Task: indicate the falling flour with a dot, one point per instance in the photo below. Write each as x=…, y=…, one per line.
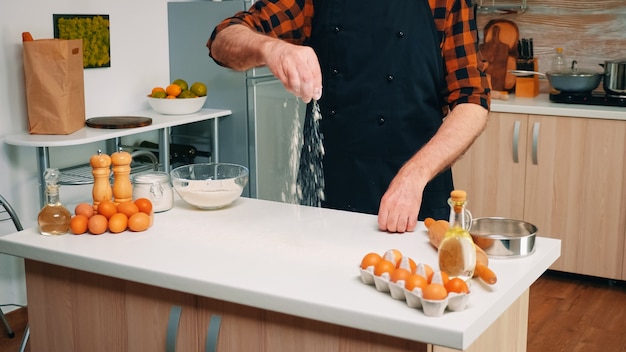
x=310, y=177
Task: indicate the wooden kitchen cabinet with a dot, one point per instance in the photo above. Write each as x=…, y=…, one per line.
x=572, y=186
x=81, y=311
x=245, y=328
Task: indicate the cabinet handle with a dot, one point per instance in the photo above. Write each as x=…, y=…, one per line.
x=516, y=127
x=172, y=329
x=212, y=335
x=535, y=141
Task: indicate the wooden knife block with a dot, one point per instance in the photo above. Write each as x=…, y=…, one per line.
x=528, y=87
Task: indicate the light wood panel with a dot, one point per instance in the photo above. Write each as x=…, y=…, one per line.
x=488, y=172
x=588, y=31
x=575, y=192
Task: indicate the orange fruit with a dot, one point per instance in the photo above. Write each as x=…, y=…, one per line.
x=384, y=266
x=127, y=208
x=399, y=274
x=157, y=89
x=107, y=208
x=173, y=90
x=370, y=259
x=118, y=223
x=97, y=224
x=393, y=255
x=139, y=222
x=457, y=285
x=78, y=224
x=414, y=281
x=84, y=209
x=435, y=292
x=144, y=205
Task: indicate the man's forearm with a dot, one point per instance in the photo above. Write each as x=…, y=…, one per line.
x=457, y=133
x=240, y=48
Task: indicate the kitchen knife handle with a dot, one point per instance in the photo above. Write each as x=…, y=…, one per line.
x=516, y=128
x=535, y=142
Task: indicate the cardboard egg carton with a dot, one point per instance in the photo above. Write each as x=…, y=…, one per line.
x=433, y=308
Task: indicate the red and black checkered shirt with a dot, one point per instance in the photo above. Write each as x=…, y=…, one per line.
x=466, y=80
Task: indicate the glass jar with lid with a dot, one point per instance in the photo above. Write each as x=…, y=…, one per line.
x=155, y=186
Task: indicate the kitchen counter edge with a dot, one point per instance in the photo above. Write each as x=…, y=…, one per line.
x=541, y=105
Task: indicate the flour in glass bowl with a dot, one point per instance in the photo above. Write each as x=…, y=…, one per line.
x=210, y=194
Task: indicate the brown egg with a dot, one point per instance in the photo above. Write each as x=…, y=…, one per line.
x=84, y=209
x=139, y=222
x=435, y=292
x=78, y=224
x=118, y=223
x=98, y=224
x=128, y=208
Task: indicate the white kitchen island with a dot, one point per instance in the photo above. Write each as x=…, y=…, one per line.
x=264, y=257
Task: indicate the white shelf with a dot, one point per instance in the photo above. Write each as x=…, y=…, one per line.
x=88, y=134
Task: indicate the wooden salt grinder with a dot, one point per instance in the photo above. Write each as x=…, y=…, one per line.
x=122, y=187
x=100, y=164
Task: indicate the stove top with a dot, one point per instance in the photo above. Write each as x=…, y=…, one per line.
x=593, y=98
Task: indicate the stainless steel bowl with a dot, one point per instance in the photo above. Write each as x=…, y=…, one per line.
x=504, y=238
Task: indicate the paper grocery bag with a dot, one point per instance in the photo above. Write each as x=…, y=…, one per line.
x=55, y=87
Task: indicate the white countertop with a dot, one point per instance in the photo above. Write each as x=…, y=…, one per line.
x=296, y=260
x=89, y=134
x=541, y=105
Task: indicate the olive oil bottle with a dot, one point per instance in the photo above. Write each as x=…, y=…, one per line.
x=54, y=219
x=457, y=256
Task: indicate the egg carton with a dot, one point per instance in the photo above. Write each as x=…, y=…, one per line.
x=454, y=302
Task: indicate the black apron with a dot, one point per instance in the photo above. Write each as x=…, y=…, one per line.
x=382, y=100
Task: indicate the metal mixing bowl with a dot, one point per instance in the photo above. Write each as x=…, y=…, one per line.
x=504, y=238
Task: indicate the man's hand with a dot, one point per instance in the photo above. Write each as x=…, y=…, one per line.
x=296, y=67
x=401, y=203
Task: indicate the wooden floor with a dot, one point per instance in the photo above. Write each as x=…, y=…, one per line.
x=567, y=313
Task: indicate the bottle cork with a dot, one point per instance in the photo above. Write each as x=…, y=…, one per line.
x=122, y=186
x=100, y=164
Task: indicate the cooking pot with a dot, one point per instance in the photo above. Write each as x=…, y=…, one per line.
x=574, y=80
x=615, y=77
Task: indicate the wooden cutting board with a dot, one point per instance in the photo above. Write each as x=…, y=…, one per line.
x=115, y=122
x=496, y=53
x=500, y=51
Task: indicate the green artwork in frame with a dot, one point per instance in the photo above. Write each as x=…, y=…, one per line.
x=93, y=30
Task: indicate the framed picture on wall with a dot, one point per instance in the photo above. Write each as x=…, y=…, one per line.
x=93, y=30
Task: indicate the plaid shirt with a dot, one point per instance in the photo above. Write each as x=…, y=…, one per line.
x=466, y=80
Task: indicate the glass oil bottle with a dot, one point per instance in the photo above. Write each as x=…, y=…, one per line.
x=54, y=218
x=457, y=256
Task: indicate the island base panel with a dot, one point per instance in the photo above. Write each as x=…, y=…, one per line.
x=73, y=310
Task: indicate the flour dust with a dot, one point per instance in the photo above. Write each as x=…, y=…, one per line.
x=310, y=180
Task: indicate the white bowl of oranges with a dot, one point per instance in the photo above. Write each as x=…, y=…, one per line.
x=178, y=98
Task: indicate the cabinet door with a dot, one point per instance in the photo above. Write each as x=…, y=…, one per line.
x=575, y=191
x=73, y=310
x=250, y=329
x=492, y=171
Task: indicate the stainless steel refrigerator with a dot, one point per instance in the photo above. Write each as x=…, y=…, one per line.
x=263, y=133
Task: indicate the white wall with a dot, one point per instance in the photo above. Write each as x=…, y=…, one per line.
x=139, y=61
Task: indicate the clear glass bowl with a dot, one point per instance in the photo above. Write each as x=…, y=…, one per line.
x=209, y=185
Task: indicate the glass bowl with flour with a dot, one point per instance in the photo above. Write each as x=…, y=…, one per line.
x=209, y=185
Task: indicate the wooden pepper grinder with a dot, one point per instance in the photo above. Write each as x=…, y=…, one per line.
x=122, y=187
x=100, y=164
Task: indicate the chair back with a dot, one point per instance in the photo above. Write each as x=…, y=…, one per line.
x=7, y=213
